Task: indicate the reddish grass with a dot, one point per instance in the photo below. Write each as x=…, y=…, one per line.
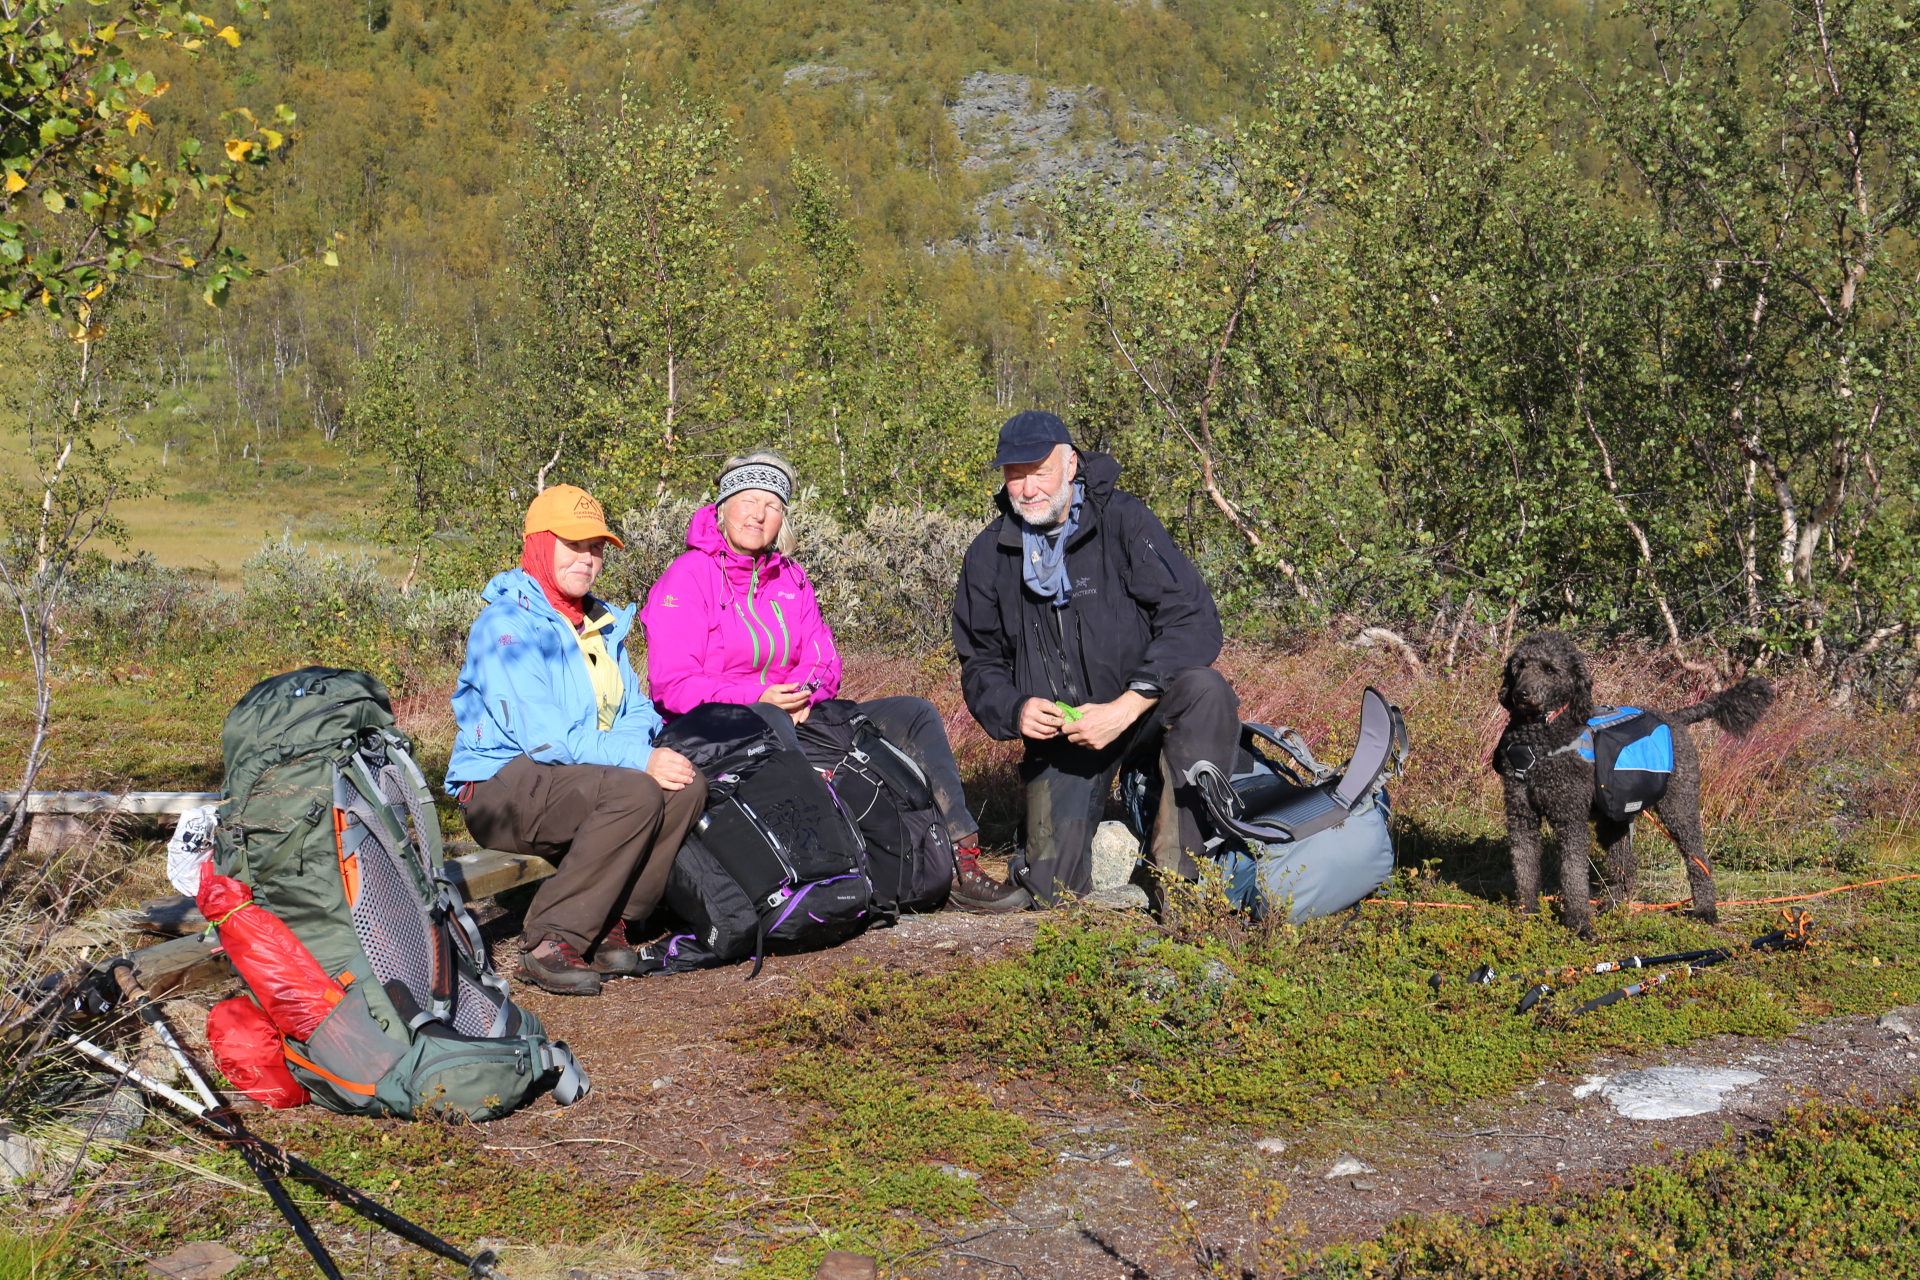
x=1814, y=785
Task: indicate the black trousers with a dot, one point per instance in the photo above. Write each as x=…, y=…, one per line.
x=913, y=725
x=1198, y=718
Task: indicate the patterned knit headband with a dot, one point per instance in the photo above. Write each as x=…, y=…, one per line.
x=755, y=475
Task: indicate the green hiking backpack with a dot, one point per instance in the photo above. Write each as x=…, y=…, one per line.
x=326, y=816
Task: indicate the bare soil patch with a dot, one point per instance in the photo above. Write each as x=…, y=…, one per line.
x=1133, y=1191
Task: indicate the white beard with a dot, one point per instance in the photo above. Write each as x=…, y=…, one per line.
x=1055, y=512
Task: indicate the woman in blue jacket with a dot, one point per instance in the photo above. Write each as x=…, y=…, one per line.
x=555, y=754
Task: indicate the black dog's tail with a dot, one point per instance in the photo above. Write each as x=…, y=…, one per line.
x=1736, y=710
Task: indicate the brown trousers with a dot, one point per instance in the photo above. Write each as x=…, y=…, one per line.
x=611, y=832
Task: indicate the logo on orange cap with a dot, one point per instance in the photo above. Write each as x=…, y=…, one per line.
x=569, y=512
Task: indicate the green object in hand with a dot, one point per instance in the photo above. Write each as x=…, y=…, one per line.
x=1070, y=713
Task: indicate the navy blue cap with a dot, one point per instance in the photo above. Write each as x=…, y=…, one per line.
x=1029, y=436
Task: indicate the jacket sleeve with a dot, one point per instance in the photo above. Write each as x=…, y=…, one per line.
x=515, y=672
x=985, y=649
x=1185, y=625
x=677, y=641
x=818, y=658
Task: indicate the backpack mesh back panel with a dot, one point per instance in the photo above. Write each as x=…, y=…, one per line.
x=390, y=925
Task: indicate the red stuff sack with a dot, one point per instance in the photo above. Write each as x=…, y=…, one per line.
x=247, y=1049
x=296, y=993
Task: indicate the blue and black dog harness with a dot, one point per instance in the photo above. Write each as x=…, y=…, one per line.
x=1631, y=753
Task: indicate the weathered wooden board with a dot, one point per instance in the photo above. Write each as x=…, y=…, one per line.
x=183, y=964
x=112, y=801
x=478, y=875
x=189, y=962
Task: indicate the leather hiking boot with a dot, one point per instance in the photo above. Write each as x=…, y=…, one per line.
x=614, y=956
x=975, y=890
x=553, y=965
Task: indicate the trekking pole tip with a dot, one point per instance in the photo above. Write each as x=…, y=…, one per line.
x=482, y=1266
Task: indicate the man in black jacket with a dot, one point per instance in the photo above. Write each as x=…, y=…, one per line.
x=1075, y=596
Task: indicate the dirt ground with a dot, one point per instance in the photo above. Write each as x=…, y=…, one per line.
x=672, y=1095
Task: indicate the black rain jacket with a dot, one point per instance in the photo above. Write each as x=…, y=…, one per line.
x=1139, y=611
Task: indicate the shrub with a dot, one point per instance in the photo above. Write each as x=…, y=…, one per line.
x=885, y=585
x=140, y=606
x=436, y=622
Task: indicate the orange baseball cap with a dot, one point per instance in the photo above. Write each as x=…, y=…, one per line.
x=571, y=513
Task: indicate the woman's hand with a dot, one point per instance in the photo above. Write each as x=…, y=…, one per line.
x=670, y=769
x=794, y=699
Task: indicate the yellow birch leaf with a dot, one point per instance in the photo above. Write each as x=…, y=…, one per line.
x=15, y=183
x=238, y=149
x=228, y=34
x=135, y=119
x=274, y=140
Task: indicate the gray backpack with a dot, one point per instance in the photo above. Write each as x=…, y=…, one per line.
x=1288, y=831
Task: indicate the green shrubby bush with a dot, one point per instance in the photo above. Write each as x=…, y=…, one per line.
x=885, y=584
x=140, y=605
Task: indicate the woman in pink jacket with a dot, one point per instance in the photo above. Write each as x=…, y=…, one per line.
x=734, y=619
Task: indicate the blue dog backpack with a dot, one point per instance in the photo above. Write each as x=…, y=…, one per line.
x=1632, y=757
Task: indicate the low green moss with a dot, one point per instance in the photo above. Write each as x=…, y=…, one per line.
x=1223, y=1020
x=1829, y=1192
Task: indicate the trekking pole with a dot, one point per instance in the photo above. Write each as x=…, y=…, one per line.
x=269, y=1162
x=272, y=1185
x=1484, y=976
x=1794, y=935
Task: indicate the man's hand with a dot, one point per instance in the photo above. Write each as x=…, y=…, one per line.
x=1101, y=722
x=1040, y=719
x=794, y=699
x=670, y=769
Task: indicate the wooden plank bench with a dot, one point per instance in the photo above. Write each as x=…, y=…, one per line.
x=188, y=962
x=59, y=817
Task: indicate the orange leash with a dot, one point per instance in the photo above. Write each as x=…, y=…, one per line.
x=1794, y=897
x=1664, y=906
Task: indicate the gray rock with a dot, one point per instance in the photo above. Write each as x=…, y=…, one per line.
x=955, y=1171
x=1270, y=1146
x=1126, y=897
x=1347, y=1167
x=1904, y=1022
x=1032, y=140
x=1488, y=1161
x=200, y=1260
x=1668, y=1093
x=113, y=1117
x=1115, y=854
x=19, y=1156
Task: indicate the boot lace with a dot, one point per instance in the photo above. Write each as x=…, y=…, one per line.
x=967, y=858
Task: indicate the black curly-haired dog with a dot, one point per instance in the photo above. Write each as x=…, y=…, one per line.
x=1549, y=696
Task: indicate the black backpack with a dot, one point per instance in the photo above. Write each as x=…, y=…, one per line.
x=909, y=853
x=774, y=859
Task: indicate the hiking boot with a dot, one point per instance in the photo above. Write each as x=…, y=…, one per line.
x=975, y=890
x=615, y=957
x=553, y=965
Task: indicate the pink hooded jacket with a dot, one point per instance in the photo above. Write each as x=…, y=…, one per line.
x=721, y=626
